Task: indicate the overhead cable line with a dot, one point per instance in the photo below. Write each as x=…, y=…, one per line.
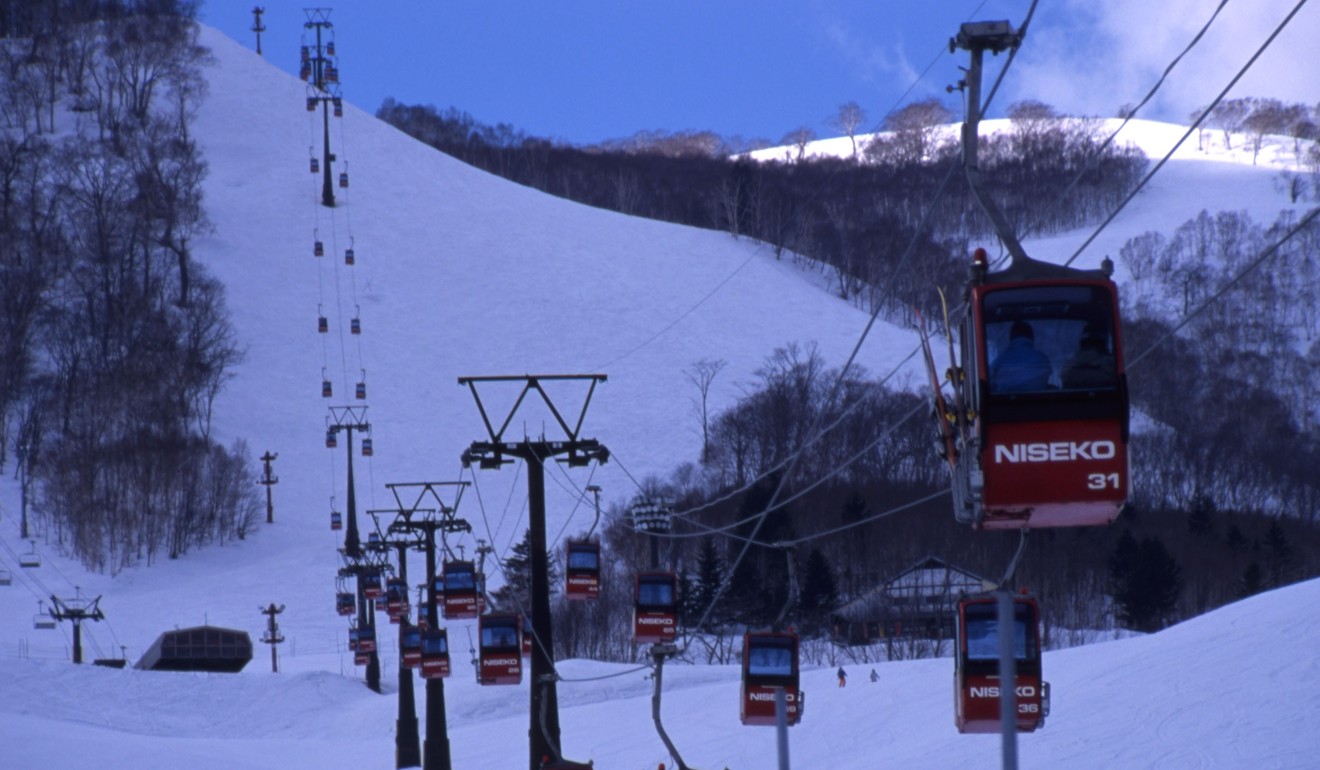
x=1200, y=118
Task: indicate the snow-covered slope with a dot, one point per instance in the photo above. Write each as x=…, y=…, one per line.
x=459, y=273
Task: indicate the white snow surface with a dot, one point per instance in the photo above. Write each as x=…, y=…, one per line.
x=463, y=274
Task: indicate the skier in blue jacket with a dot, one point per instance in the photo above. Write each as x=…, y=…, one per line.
x=1020, y=367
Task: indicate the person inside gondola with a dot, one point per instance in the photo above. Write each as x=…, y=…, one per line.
x=1092, y=366
x=1020, y=367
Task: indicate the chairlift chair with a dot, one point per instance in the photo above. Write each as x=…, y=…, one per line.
x=31, y=559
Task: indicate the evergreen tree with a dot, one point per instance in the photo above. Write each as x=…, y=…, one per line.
x=1251, y=582
x=1278, y=555
x=710, y=573
x=516, y=593
x=1145, y=582
x=820, y=592
x=1200, y=522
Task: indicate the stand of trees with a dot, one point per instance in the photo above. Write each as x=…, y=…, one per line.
x=851, y=217
x=114, y=341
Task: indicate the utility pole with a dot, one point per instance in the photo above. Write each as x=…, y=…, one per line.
x=267, y=480
x=441, y=519
x=544, y=713
x=349, y=419
x=272, y=635
x=257, y=26
x=76, y=609
x=325, y=89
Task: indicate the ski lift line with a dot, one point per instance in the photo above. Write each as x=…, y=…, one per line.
x=1200, y=118
x=26, y=577
x=1095, y=154
x=1257, y=262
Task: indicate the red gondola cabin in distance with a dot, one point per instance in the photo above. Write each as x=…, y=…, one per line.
x=373, y=587
x=1037, y=434
x=396, y=598
x=770, y=662
x=460, y=592
x=435, y=653
x=582, y=576
x=499, y=654
x=655, y=609
x=976, y=667
x=410, y=646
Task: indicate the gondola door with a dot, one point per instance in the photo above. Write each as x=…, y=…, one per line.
x=499, y=657
x=769, y=663
x=976, y=667
x=655, y=609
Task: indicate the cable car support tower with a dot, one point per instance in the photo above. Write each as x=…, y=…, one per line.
x=435, y=755
x=543, y=731
x=349, y=419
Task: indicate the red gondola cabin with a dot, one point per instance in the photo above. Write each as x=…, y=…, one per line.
x=500, y=649
x=976, y=667
x=435, y=653
x=770, y=663
x=582, y=576
x=1037, y=435
x=655, y=609
x=460, y=590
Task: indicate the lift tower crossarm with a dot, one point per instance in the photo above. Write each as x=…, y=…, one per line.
x=532, y=382
x=979, y=37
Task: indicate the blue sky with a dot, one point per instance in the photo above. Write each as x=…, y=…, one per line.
x=586, y=70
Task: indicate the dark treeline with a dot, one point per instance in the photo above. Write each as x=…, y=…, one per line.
x=851, y=217
x=869, y=500
x=115, y=342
